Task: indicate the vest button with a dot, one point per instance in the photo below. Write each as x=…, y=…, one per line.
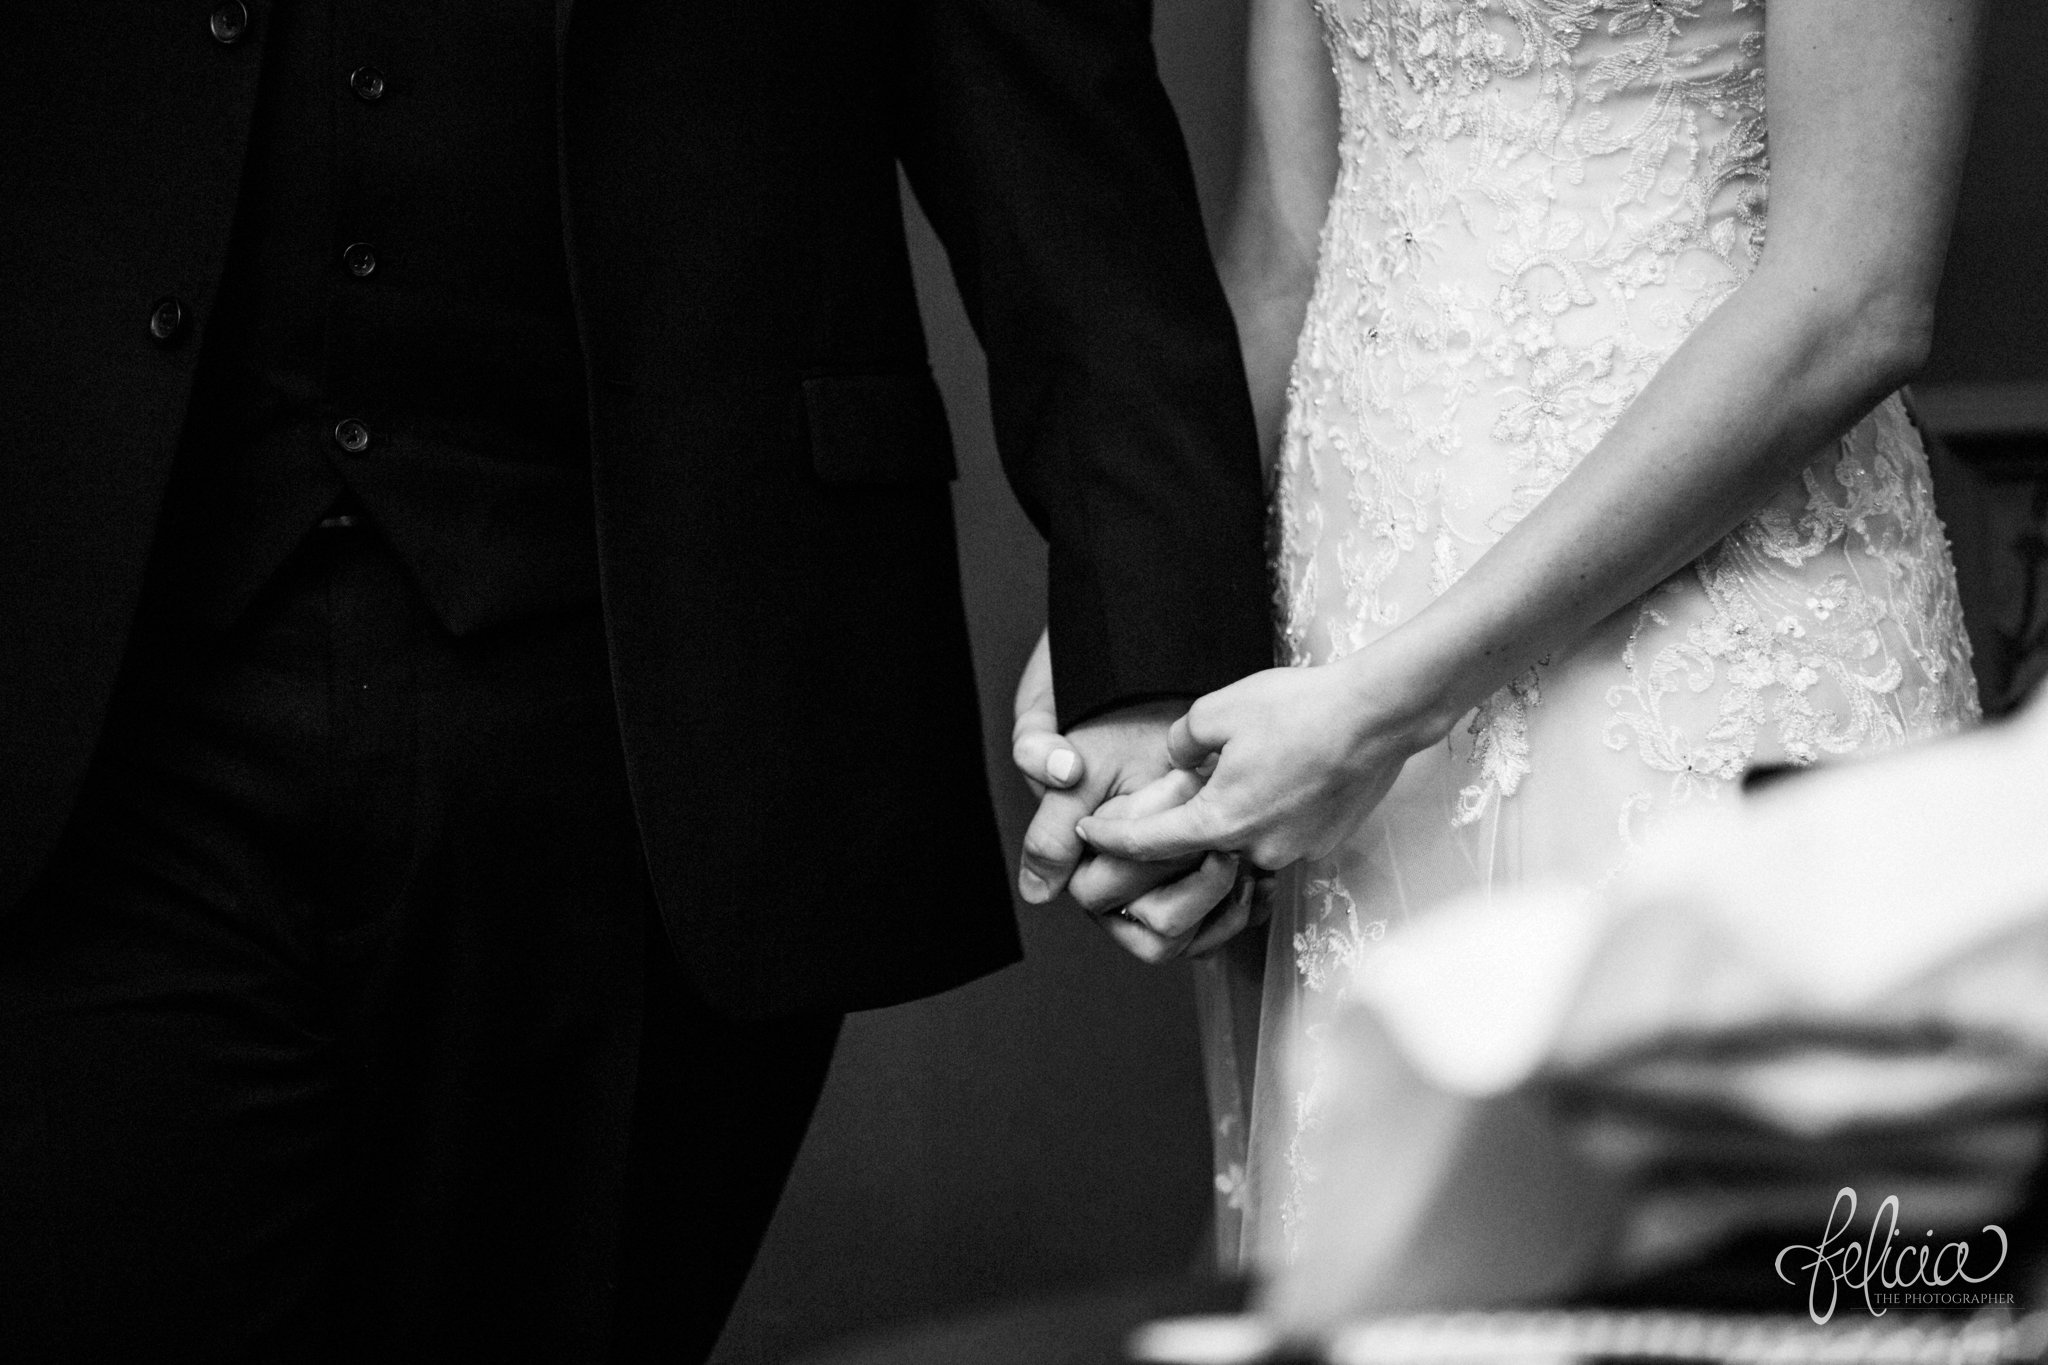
x=368, y=83
x=360, y=258
x=352, y=436
x=229, y=22
x=166, y=320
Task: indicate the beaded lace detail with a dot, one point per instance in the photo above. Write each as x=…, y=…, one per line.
x=1537, y=201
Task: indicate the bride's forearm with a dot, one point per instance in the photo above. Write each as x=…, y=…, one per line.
x=1753, y=395
x=1269, y=303
x=1267, y=264
x=1287, y=164
x=1870, y=104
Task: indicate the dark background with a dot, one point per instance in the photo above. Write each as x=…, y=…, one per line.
x=1045, y=1128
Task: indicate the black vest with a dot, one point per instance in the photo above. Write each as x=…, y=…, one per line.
x=394, y=337
x=766, y=448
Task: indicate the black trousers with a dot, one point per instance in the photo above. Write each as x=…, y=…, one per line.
x=343, y=1027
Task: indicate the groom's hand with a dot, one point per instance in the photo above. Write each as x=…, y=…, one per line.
x=1119, y=765
x=1116, y=753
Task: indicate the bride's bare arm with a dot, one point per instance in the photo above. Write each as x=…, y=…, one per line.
x=1870, y=103
x=1287, y=164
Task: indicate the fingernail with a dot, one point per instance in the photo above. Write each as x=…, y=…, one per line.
x=1060, y=766
x=1033, y=886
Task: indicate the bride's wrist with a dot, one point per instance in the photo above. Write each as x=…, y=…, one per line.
x=1410, y=693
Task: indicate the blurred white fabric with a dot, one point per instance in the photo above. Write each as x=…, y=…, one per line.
x=1857, y=953
x=1900, y=895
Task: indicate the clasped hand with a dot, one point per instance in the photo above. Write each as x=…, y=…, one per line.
x=1156, y=819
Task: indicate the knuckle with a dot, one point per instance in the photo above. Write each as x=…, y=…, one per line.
x=1225, y=828
x=1125, y=871
x=1155, y=912
x=1267, y=856
x=1151, y=950
x=1042, y=848
x=1127, y=888
x=1091, y=897
x=1130, y=937
x=1120, y=807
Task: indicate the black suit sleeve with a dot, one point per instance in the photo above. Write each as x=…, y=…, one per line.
x=1042, y=147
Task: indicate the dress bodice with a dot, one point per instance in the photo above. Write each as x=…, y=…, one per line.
x=1537, y=200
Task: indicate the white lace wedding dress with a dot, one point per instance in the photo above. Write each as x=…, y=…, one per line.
x=1537, y=201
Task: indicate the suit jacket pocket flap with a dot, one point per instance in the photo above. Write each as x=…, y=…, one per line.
x=877, y=428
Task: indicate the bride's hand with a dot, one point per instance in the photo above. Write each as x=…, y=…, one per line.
x=1302, y=755
x=1160, y=911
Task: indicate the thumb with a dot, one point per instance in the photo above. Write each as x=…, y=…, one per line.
x=1038, y=749
x=1194, y=737
x=1043, y=755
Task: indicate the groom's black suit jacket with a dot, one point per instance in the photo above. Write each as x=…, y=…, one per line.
x=768, y=453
